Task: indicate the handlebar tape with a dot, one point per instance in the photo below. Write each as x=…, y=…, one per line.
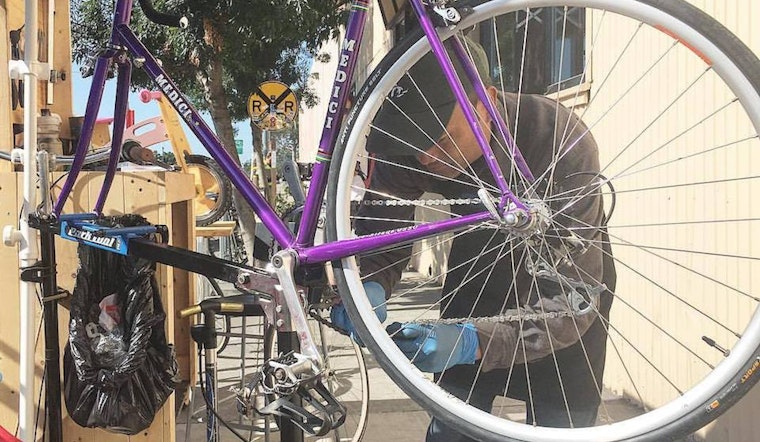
x=161, y=18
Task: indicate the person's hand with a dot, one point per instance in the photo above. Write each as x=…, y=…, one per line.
x=376, y=295
x=434, y=348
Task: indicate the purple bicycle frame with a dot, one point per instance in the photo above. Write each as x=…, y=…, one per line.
x=302, y=243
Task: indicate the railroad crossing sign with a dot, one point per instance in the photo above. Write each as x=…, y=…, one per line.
x=273, y=106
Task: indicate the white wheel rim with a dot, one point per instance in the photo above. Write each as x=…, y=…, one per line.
x=637, y=426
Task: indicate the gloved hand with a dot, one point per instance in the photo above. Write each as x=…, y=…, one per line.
x=376, y=295
x=434, y=348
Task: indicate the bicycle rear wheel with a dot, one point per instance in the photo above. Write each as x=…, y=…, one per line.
x=672, y=100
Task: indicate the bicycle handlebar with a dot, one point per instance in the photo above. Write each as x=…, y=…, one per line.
x=161, y=18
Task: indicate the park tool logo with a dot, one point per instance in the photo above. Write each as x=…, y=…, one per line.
x=93, y=237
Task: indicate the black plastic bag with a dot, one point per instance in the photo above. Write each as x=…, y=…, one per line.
x=118, y=367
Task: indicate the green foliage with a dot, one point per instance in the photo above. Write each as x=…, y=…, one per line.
x=166, y=156
x=255, y=40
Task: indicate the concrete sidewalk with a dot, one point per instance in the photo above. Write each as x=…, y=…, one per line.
x=392, y=415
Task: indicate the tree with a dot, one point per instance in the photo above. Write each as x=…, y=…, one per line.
x=229, y=48
x=166, y=156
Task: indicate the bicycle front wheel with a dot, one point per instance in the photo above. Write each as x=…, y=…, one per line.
x=644, y=114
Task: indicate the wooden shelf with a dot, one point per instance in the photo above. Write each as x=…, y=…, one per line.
x=219, y=228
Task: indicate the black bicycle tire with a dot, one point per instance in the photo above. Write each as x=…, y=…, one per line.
x=742, y=381
x=224, y=198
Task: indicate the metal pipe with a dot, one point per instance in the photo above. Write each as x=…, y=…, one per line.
x=52, y=350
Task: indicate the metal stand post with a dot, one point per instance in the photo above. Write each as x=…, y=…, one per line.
x=52, y=351
x=287, y=342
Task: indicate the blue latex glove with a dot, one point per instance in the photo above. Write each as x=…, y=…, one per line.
x=434, y=348
x=376, y=295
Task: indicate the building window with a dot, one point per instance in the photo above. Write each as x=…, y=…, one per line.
x=554, y=52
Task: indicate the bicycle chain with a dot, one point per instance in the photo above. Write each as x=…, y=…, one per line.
x=314, y=314
x=498, y=319
x=428, y=202
x=242, y=253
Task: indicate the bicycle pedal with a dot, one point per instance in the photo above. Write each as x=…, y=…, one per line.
x=324, y=412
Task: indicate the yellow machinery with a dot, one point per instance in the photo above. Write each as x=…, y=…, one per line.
x=213, y=193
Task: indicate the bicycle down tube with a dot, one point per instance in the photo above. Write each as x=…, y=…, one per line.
x=302, y=242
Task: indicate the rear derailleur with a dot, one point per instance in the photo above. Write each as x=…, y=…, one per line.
x=290, y=387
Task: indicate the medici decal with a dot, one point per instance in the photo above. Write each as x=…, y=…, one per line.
x=273, y=106
x=175, y=97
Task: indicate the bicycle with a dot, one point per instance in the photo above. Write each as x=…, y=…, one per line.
x=659, y=265
x=345, y=371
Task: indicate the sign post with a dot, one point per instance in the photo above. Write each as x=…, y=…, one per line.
x=272, y=107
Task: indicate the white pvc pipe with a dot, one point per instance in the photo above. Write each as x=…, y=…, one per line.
x=50, y=47
x=28, y=250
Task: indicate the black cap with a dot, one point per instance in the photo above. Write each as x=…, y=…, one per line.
x=415, y=112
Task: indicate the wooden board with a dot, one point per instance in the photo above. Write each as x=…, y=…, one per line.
x=12, y=17
x=5, y=90
x=219, y=228
x=163, y=198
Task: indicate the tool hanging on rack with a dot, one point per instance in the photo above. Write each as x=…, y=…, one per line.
x=17, y=86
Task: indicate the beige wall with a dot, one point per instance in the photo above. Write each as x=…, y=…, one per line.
x=375, y=43
x=639, y=299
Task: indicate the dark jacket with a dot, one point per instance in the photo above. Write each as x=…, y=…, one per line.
x=508, y=287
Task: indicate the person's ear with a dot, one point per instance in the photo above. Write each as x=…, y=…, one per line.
x=493, y=94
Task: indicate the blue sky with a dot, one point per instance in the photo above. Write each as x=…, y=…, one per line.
x=81, y=89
